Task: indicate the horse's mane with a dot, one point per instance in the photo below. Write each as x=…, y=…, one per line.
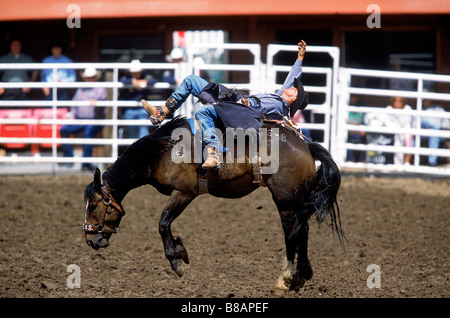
x=132, y=168
x=165, y=131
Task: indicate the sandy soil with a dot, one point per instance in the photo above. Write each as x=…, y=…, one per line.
x=235, y=246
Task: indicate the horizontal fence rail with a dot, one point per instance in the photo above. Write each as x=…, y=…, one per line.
x=336, y=91
x=390, y=133
x=326, y=108
x=111, y=83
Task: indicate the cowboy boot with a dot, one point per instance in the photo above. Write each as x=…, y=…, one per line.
x=212, y=161
x=157, y=113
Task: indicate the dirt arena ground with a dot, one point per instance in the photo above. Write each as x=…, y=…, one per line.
x=235, y=246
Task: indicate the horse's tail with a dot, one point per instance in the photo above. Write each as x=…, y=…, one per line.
x=323, y=191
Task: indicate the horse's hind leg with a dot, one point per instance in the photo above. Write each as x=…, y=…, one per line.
x=296, y=230
x=304, y=270
x=174, y=250
x=287, y=221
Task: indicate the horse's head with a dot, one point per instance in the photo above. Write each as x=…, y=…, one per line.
x=102, y=215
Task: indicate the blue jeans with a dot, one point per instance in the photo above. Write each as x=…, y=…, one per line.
x=355, y=155
x=63, y=94
x=192, y=84
x=90, y=131
x=433, y=141
x=205, y=114
x=136, y=131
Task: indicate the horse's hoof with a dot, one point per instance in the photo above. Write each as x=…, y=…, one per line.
x=279, y=288
x=179, y=271
x=177, y=267
x=297, y=285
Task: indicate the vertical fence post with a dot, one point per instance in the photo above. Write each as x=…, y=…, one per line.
x=115, y=114
x=418, y=120
x=334, y=53
x=339, y=145
x=54, y=117
x=262, y=78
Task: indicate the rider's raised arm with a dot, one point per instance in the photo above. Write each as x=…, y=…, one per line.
x=301, y=50
x=296, y=70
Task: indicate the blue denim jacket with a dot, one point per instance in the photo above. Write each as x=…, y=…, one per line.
x=272, y=104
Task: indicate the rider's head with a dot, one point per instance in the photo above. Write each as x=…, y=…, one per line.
x=290, y=95
x=296, y=97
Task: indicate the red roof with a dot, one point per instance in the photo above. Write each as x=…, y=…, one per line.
x=58, y=9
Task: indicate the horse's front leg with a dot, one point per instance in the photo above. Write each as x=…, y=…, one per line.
x=174, y=250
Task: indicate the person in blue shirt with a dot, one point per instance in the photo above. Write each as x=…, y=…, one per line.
x=136, y=87
x=285, y=102
x=434, y=123
x=62, y=75
x=92, y=94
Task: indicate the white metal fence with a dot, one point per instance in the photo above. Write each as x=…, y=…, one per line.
x=335, y=108
x=254, y=69
x=330, y=95
x=385, y=124
x=113, y=84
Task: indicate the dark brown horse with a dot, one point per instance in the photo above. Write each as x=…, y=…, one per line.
x=298, y=189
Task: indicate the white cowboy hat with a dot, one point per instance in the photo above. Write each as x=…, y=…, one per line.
x=90, y=72
x=176, y=54
x=135, y=66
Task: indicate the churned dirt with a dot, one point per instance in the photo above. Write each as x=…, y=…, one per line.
x=236, y=247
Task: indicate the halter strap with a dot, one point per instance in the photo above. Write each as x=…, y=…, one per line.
x=108, y=201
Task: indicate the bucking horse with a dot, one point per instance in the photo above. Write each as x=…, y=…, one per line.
x=299, y=188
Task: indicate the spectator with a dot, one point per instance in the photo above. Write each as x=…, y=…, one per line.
x=356, y=137
x=400, y=121
x=403, y=84
x=135, y=89
x=299, y=119
x=434, y=123
x=16, y=75
x=378, y=139
x=176, y=56
x=93, y=94
x=62, y=75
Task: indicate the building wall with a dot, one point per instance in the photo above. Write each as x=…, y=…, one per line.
x=83, y=43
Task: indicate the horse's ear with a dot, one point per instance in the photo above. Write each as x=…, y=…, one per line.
x=97, y=181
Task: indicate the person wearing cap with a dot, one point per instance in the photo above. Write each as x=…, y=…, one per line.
x=92, y=94
x=177, y=57
x=135, y=89
x=62, y=75
x=284, y=102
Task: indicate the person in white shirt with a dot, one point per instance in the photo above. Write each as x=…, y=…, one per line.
x=400, y=121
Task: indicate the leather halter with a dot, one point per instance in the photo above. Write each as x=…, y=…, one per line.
x=109, y=204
